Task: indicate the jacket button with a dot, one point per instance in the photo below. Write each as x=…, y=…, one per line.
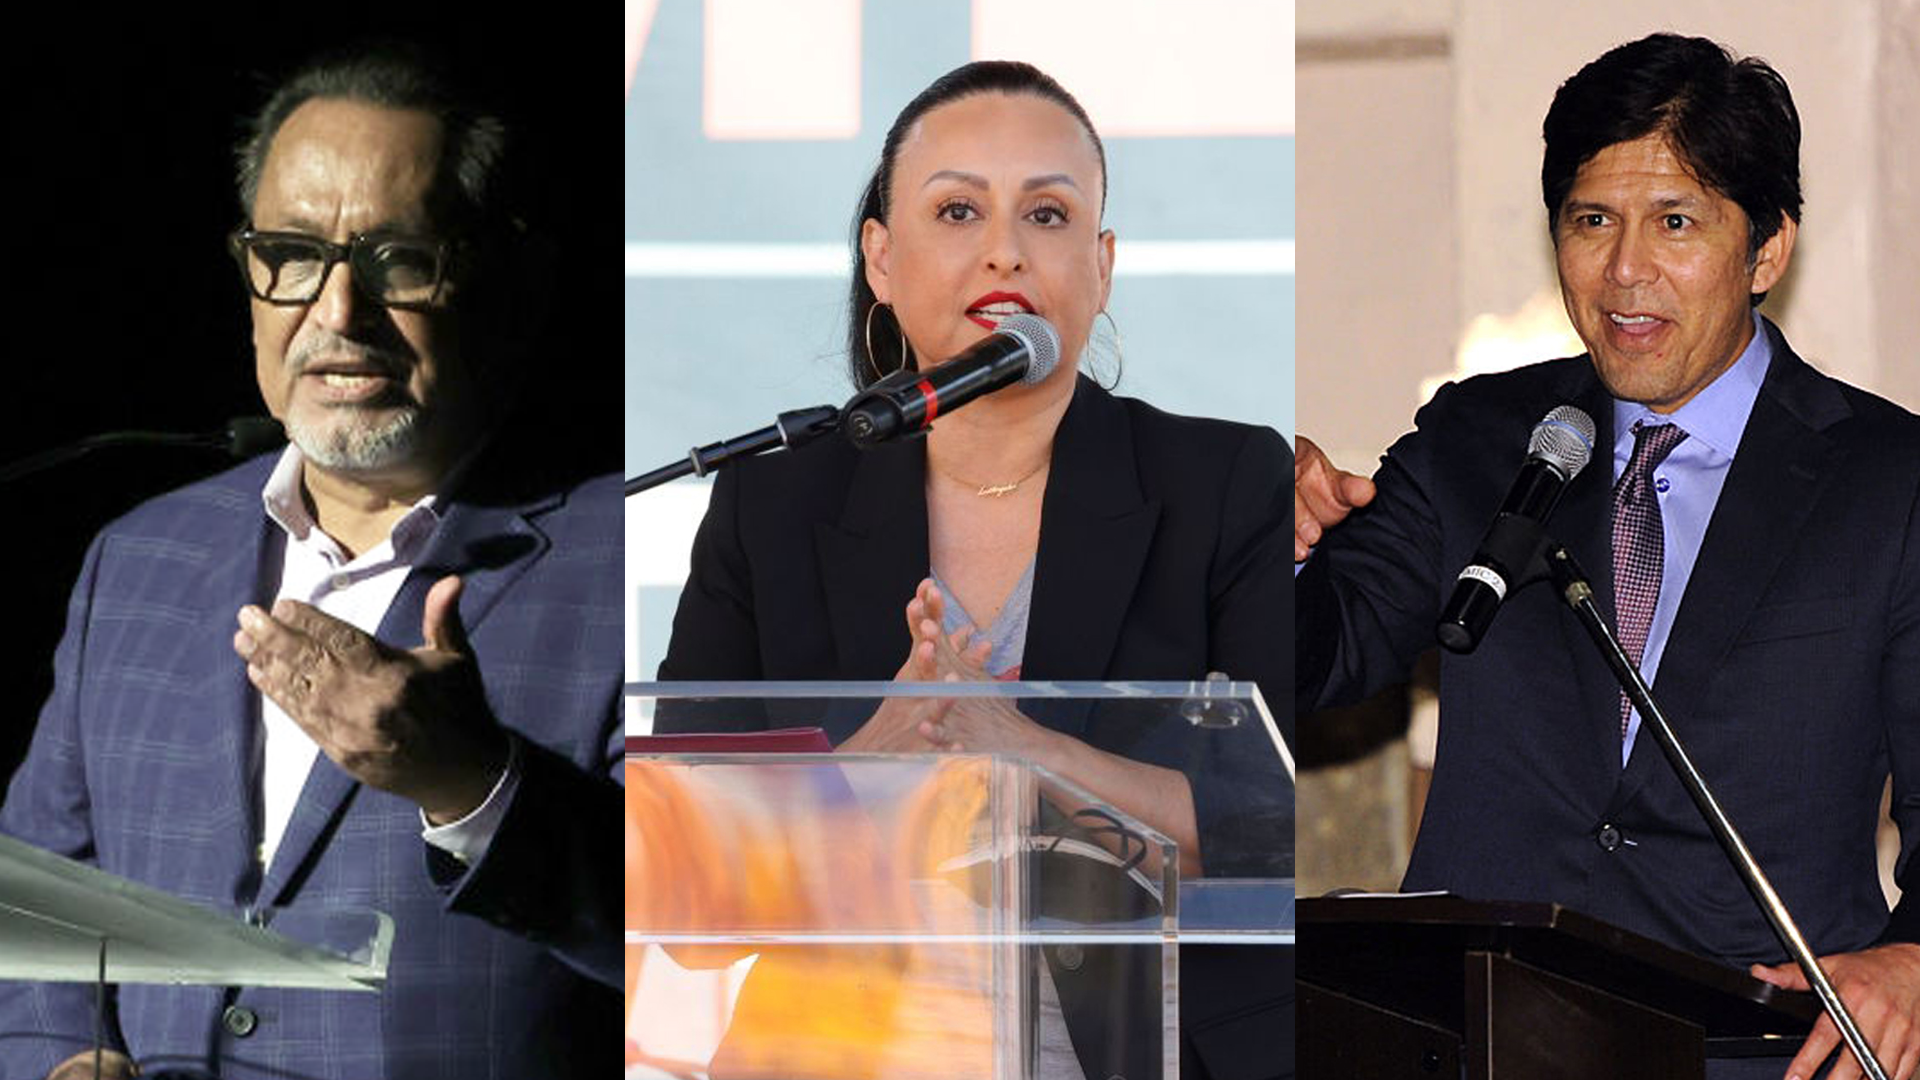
x=1070, y=957
x=1608, y=837
x=239, y=1021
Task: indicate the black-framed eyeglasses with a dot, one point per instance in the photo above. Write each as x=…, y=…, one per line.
x=292, y=268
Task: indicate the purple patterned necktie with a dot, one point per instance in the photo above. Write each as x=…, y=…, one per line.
x=1639, y=543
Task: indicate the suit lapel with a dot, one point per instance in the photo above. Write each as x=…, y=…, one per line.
x=1765, y=503
x=323, y=798
x=238, y=579
x=1096, y=529
x=873, y=558
x=489, y=547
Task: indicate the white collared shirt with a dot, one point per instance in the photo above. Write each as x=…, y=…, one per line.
x=358, y=591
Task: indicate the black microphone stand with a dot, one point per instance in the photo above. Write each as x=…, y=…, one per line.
x=242, y=437
x=1574, y=589
x=791, y=429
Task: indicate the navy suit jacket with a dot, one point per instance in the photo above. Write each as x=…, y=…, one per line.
x=146, y=762
x=1792, y=673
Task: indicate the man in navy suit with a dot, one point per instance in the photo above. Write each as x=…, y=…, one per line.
x=1755, y=523
x=381, y=671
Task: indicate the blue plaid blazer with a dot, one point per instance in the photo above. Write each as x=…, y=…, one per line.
x=146, y=763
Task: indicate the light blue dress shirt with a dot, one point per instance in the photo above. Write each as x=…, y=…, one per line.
x=1688, y=482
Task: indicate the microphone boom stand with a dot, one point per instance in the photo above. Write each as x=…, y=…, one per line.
x=242, y=437
x=791, y=429
x=1574, y=589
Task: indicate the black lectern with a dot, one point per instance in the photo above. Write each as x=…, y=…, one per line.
x=1440, y=986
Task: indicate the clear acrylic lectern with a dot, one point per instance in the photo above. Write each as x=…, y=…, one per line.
x=61, y=921
x=812, y=915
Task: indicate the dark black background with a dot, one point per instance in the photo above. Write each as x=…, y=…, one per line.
x=123, y=310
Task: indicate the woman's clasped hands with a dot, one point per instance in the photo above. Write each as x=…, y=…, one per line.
x=940, y=724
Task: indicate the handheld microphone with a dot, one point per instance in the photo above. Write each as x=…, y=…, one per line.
x=1560, y=446
x=1023, y=348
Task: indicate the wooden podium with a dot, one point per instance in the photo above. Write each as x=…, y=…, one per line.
x=1440, y=986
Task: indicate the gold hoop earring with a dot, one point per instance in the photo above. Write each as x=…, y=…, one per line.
x=872, y=364
x=1119, y=353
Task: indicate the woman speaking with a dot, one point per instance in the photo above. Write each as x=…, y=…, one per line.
x=1045, y=532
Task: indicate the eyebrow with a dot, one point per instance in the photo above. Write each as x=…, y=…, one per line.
x=298, y=223
x=294, y=223
x=975, y=180
x=1671, y=202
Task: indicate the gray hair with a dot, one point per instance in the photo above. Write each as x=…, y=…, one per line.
x=398, y=76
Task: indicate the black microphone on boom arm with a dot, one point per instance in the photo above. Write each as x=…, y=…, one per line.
x=1023, y=348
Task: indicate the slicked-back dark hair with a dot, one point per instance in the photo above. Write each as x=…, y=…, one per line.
x=979, y=77
x=1730, y=121
x=473, y=192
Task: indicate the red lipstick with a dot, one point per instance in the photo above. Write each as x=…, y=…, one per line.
x=990, y=321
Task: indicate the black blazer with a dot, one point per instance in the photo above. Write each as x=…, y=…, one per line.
x=1163, y=555
x=1792, y=673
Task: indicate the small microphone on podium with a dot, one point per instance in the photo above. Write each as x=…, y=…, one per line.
x=1560, y=446
x=1023, y=348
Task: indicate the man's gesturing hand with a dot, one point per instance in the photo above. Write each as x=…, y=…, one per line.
x=413, y=723
x=1323, y=495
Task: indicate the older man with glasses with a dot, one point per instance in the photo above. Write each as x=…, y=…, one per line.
x=381, y=671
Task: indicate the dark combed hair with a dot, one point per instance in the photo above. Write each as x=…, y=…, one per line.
x=475, y=192
x=979, y=77
x=1730, y=121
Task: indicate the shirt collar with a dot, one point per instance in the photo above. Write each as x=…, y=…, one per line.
x=1717, y=415
x=286, y=504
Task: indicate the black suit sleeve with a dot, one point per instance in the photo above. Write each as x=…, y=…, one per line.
x=546, y=874
x=1369, y=595
x=716, y=635
x=1252, y=579
x=1242, y=800
x=1901, y=690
